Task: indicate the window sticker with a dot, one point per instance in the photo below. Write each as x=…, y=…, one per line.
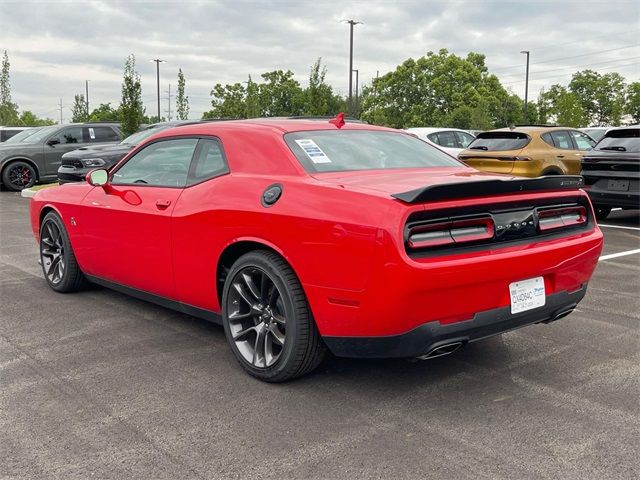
x=92, y=133
x=313, y=151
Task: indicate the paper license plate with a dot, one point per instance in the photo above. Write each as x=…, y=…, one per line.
x=618, y=185
x=527, y=294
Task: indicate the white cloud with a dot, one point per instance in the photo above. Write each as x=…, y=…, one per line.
x=55, y=46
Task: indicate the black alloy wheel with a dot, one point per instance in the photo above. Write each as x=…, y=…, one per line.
x=18, y=176
x=267, y=319
x=257, y=318
x=58, y=261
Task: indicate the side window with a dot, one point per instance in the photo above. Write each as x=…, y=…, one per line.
x=547, y=139
x=68, y=135
x=583, y=141
x=464, y=139
x=447, y=139
x=101, y=134
x=561, y=139
x=433, y=137
x=161, y=164
x=209, y=161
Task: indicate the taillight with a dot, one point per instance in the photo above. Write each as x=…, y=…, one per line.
x=561, y=217
x=451, y=232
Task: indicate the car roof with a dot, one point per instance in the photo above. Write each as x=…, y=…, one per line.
x=276, y=125
x=428, y=130
x=531, y=129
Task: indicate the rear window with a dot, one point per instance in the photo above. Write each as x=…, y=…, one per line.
x=492, y=141
x=342, y=150
x=623, y=140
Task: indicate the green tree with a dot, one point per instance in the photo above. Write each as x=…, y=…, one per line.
x=79, y=109
x=441, y=89
x=29, y=119
x=131, y=107
x=561, y=106
x=252, y=100
x=318, y=97
x=632, y=104
x=104, y=113
x=601, y=97
x=228, y=101
x=280, y=94
x=8, y=109
x=182, y=101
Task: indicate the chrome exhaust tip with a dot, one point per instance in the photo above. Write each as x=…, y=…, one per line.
x=560, y=315
x=441, y=351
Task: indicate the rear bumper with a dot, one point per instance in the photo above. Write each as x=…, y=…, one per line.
x=425, y=338
x=629, y=199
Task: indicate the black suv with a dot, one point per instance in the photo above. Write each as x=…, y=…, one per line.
x=77, y=163
x=611, y=171
x=37, y=157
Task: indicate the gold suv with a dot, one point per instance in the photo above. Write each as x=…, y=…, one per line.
x=529, y=151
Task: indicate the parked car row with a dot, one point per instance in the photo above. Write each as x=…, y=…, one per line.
x=35, y=155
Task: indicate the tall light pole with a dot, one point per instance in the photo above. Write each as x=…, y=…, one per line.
x=158, y=62
x=351, y=23
x=86, y=87
x=357, y=82
x=526, y=86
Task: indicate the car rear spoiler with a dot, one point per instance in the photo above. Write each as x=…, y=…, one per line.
x=481, y=188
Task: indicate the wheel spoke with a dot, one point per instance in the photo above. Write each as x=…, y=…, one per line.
x=54, y=263
x=279, y=319
x=47, y=242
x=258, y=348
x=244, y=295
x=273, y=297
x=251, y=286
x=276, y=334
x=243, y=333
x=264, y=288
x=239, y=316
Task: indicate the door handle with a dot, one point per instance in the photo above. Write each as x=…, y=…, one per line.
x=560, y=156
x=162, y=204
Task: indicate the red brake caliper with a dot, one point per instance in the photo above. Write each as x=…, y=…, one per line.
x=26, y=176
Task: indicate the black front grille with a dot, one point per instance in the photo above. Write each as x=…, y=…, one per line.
x=513, y=223
x=73, y=161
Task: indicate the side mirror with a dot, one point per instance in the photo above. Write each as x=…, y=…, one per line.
x=98, y=177
x=53, y=141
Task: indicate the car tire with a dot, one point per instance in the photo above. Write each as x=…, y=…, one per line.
x=59, y=265
x=267, y=319
x=19, y=175
x=601, y=212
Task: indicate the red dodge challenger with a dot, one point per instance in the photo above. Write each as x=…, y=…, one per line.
x=302, y=235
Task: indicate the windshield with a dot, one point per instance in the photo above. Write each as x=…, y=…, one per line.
x=490, y=141
x=137, y=137
x=342, y=150
x=41, y=134
x=17, y=138
x=623, y=140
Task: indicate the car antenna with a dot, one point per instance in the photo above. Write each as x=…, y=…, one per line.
x=338, y=120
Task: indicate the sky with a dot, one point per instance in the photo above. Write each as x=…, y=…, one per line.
x=55, y=46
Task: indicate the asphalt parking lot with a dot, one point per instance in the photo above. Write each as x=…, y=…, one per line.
x=101, y=385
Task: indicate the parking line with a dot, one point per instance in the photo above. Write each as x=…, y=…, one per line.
x=618, y=226
x=620, y=254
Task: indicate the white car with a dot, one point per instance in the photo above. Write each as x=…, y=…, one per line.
x=451, y=140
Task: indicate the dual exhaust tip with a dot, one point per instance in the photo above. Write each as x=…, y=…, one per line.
x=449, y=348
x=442, y=350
